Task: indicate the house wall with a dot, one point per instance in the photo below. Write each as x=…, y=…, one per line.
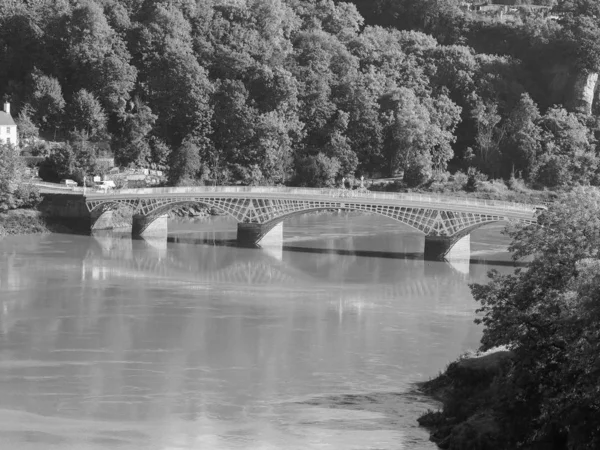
x=9, y=131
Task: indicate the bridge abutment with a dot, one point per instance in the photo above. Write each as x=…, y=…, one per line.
x=439, y=248
x=264, y=235
x=149, y=225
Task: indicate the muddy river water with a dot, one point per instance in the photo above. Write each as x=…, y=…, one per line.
x=194, y=343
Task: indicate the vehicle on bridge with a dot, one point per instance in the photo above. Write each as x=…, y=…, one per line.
x=105, y=185
x=68, y=182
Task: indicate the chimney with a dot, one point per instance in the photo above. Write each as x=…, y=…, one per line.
x=7, y=108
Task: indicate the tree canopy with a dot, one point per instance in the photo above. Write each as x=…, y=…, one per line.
x=264, y=86
x=548, y=315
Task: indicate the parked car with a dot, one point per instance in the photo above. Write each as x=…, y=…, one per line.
x=105, y=185
x=68, y=182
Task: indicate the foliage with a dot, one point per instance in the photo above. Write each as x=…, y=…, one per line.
x=14, y=192
x=266, y=86
x=58, y=165
x=26, y=128
x=186, y=163
x=318, y=170
x=549, y=316
x=86, y=115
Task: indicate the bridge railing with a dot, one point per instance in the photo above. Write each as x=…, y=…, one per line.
x=56, y=186
x=320, y=192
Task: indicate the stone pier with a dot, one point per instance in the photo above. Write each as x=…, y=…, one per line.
x=440, y=248
x=149, y=225
x=268, y=234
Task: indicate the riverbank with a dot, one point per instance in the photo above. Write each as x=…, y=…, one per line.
x=29, y=221
x=38, y=221
x=469, y=392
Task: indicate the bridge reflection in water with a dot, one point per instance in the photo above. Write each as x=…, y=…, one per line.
x=151, y=342
x=207, y=263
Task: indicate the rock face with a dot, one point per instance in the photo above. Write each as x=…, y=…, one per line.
x=582, y=95
x=575, y=90
x=557, y=78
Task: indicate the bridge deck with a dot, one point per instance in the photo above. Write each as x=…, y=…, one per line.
x=447, y=203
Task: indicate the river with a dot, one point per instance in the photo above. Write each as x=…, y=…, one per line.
x=194, y=343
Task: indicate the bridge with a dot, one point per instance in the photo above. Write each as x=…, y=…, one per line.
x=445, y=221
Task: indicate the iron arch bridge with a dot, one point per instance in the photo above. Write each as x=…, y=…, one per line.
x=260, y=211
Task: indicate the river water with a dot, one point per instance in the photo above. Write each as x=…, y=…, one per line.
x=194, y=343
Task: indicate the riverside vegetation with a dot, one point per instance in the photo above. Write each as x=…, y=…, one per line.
x=541, y=390
x=304, y=92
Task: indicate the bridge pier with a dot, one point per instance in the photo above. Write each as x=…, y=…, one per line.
x=440, y=248
x=102, y=221
x=149, y=225
x=262, y=234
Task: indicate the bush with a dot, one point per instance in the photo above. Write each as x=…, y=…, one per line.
x=497, y=187
x=459, y=180
x=318, y=171
x=22, y=222
x=416, y=175
x=552, y=171
x=516, y=184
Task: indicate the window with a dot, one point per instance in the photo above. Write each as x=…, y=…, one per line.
x=8, y=140
x=7, y=130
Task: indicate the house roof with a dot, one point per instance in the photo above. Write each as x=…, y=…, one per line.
x=6, y=119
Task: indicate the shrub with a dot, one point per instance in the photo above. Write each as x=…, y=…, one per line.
x=416, y=175
x=318, y=170
x=459, y=180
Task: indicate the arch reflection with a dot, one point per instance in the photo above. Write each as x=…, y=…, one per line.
x=216, y=346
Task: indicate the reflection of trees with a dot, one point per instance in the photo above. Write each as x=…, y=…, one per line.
x=204, y=331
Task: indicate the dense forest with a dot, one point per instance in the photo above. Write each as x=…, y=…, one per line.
x=305, y=91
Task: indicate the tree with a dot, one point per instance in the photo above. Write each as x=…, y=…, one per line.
x=99, y=57
x=175, y=85
x=568, y=154
x=159, y=154
x=580, y=34
x=523, y=138
x=59, y=164
x=319, y=170
x=86, y=115
x=27, y=130
x=416, y=135
x=185, y=162
x=549, y=316
x=488, y=135
x=131, y=143
x=85, y=161
x=14, y=191
x=47, y=101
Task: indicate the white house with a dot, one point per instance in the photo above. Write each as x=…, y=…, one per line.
x=8, y=127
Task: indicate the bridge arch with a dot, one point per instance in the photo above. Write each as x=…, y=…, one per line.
x=165, y=208
x=101, y=213
x=260, y=210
